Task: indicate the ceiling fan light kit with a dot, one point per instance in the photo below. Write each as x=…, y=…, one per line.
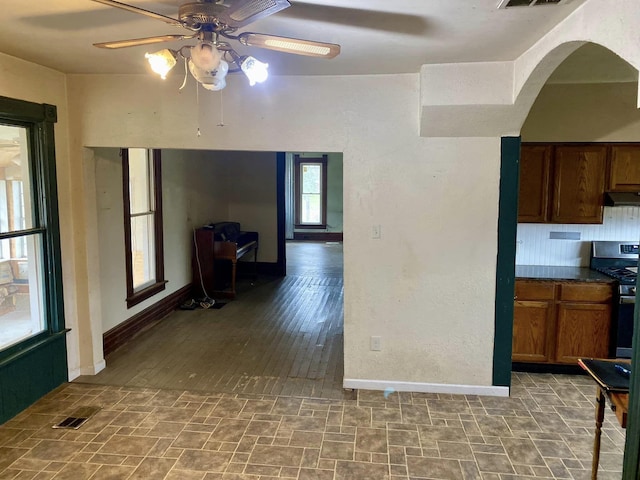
x=209, y=60
x=162, y=61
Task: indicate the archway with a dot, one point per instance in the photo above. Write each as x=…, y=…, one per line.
x=598, y=105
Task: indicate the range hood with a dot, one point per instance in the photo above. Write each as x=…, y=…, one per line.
x=622, y=199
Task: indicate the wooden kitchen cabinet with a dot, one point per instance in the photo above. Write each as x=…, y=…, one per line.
x=624, y=168
x=535, y=165
x=533, y=321
x=582, y=331
x=562, y=183
x=532, y=324
x=558, y=322
x=578, y=183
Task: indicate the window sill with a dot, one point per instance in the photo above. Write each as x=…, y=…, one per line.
x=148, y=292
x=310, y=227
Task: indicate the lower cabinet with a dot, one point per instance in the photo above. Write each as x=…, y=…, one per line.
x=559, y=322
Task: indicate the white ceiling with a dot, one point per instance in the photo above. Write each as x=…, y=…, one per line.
x=377, y=36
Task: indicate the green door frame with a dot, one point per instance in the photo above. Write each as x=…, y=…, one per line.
x=506, y=261
x=505, y=281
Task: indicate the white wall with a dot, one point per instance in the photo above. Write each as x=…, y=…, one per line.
x=27, y=81
x=249, y=186
x=603, y=112
x=404, y=286
x=191, y=189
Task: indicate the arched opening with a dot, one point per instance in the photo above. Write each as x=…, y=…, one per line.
x=589, y=100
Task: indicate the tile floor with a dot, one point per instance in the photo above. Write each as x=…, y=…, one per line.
x=544, y=430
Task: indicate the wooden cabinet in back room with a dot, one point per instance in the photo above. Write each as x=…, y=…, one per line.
x=558, y=322
x=624, y=170
x=578, y=183
x=562, y=183
x=535, y=164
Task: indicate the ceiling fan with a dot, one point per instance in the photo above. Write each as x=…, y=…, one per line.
x=209, y=21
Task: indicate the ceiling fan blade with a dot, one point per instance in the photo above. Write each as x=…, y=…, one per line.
x=244, y=12
x=141, y=11
x=290, y=45
x=134, y=42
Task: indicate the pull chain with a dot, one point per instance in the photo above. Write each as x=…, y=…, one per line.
x=198, y=105
x=221, y=124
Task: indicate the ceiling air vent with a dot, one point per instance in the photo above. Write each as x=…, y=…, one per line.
x=529, y=3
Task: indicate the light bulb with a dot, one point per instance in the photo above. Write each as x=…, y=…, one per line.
x=255, y=70
x=161, y=62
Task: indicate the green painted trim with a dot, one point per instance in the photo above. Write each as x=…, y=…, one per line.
x=43, y=342
x=505, y=267
x=23, y=111
x=631, y=465
x=33, y=375
x=32, y=368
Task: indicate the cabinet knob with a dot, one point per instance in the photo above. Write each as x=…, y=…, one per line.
x=515, y=297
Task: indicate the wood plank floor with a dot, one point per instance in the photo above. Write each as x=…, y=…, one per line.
x=281, y=336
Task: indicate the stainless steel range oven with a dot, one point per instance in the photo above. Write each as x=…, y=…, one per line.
x=619, y=260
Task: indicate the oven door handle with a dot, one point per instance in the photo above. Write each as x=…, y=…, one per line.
x=627, y=300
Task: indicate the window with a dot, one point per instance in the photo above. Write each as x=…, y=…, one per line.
x=142, y=187
x=311, y=192
x=31, y=308
x=21, y=242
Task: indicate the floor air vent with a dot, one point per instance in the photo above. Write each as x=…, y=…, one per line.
x=78, y=418
x=529, y=3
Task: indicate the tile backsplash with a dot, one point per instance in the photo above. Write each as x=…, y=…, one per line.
x=534, y=247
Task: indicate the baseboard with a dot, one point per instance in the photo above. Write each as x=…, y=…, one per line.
x=73, y=374
x=121, y=334
x=318, y=236
x=382, y=385
x=94, y=369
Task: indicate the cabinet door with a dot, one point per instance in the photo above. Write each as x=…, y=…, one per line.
x=624, y=172
x=533, y=203
x=532, y=331
x=578, y=183
x=582, y=331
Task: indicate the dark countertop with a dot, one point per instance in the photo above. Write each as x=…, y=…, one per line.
x=544, y=272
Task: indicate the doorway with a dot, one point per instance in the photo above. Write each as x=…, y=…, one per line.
x=589, y=111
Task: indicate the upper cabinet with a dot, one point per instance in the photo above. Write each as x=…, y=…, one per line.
x=624, y=173
x=562, y=183
x=535, y=164
x=578, y=183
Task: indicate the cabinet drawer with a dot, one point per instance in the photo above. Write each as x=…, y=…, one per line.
x=586, y=292
x=534, y=290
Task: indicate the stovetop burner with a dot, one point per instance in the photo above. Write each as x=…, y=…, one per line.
x=623, y=275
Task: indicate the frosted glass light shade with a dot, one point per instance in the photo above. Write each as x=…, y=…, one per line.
x=210, y=80
x=255, y=70
x=161, y=62
x=206, y=56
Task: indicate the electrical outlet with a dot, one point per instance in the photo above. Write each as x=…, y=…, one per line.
x=376, y=344
x=376, y=232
